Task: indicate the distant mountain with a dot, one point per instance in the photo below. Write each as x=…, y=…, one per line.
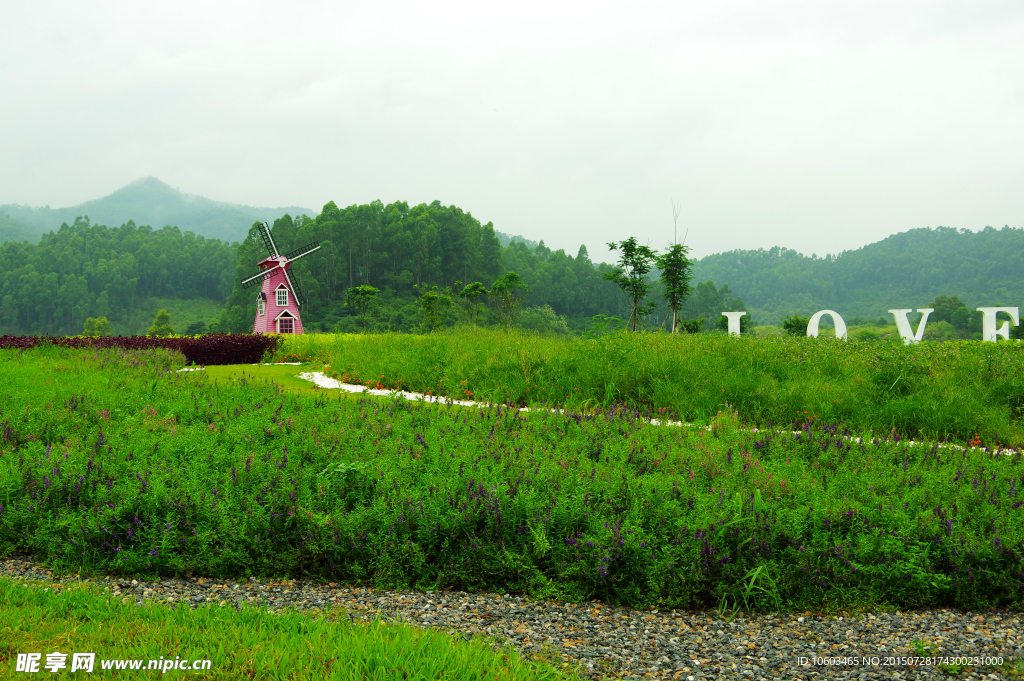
x=905, y=270
x=506, y=239
x=147, y=201
x=12, y=230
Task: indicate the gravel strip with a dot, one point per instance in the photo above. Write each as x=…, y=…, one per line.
x=603, y=641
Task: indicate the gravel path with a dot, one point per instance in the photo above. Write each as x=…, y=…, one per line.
x=604, y=641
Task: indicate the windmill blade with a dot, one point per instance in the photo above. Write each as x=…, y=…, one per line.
x=268, y=240
x=305, y=250
x=259, y=278
x=300, y=299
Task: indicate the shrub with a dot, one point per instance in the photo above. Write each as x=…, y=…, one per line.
x=96, y=327
x=542, y=320
x=219, y=348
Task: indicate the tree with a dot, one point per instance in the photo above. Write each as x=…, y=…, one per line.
x=195, y=329
x=509, y=290
x=472, y=293
x=966, y=322
x=796, y=325
x=161, y=325
x=960, y=318
x=364, y=299
x=944, y=307
x=675, y=278
x=96, y=327
x=709, y=302
x=631, y=276
x=435, y=304
x=692, y=325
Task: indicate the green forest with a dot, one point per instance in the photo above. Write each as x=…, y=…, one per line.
x=84, y=270
x=408, y=253
x=400, y=249
x=905, y=270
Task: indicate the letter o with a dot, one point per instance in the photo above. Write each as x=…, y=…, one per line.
x=812, y=326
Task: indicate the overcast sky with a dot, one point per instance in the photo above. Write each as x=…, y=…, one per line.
x=819, y=126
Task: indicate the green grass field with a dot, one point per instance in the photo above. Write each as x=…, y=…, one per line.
x=944, y=391
x=114, y=462
x=283, y=375
x=249, y=643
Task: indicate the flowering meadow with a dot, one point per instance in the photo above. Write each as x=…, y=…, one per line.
x=112, y=461
x=941, y=391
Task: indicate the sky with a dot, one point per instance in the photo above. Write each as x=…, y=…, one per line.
x=809, y=125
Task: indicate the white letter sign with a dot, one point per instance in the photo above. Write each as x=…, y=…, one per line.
x=734, y=322
x=989, y=332
x=812, y=326
x=903, y=324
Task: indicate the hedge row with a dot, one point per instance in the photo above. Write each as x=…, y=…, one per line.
x=209, y=349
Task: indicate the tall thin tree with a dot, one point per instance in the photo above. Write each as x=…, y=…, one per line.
x=635, y=264
x=675, y=269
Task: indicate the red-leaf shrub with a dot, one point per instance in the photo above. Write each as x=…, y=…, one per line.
x=214, y=348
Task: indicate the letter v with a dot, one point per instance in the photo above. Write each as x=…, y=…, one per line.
x=903, y=324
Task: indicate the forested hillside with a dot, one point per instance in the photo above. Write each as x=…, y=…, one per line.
x=147, y=201
x=85, y=270
x=126, y=273
x=397, y=247
x=12, y=230
x=905, y=270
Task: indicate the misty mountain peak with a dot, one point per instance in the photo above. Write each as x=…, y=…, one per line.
x=151, y=201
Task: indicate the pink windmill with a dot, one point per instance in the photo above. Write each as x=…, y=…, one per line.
x=277, y=305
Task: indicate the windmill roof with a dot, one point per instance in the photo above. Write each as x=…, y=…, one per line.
x=283, y=313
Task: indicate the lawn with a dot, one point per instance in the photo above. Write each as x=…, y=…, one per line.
x=230, y=644
x=283, y=375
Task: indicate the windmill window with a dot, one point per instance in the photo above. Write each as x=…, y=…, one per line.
x=285, y=325
x=282, y=297
x=260, y=307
